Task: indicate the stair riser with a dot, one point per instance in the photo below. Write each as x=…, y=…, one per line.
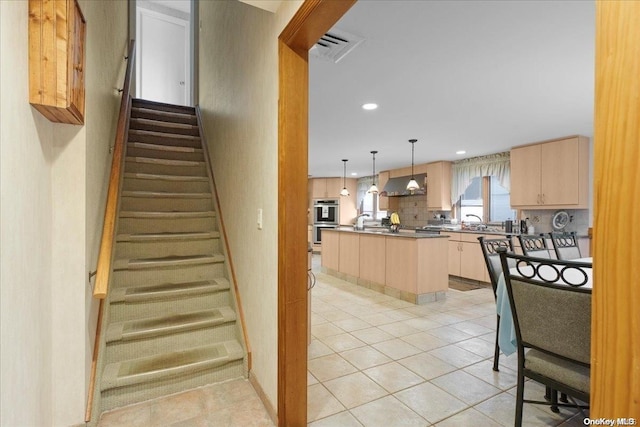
x=135, y=167
x=152, y=115
x=165, y=204
x=164, y=139
x=139, y=103
x=138, y=393
x=166, y=248
x=122, y=311
x=157, y=276
x=161, y=127
x=136, y=184
x=125, y=350
x=164, y=154
x=155, y=225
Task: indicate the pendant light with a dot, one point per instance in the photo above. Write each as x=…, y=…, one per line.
x=344, y=191
x=412, y=185
x=373, y=189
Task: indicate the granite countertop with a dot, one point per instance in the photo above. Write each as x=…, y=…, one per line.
x=383, y=231
x=410, y=232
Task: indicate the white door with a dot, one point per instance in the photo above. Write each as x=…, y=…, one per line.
x=162, y=57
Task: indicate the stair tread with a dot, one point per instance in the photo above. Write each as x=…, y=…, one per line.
x=166, y=290
x=169, y=162
x=168, y=261
x=147, y=369
x=165, y=194
x=166, y=215
x=172, y=323
x=161, y=135
x=163, y=147
x=146, y=237
x=161, y=177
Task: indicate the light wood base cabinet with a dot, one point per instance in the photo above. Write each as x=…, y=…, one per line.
x=465, y=257
x=403, y=266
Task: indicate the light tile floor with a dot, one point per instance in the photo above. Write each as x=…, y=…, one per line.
x=377, y=361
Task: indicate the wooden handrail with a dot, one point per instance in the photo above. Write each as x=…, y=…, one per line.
x=205, y=148
x=108, y=228
x=106, y=244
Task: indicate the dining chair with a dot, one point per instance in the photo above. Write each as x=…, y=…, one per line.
x=565, y=245
x=494, y=267
x=534, y=246
x=552, y=321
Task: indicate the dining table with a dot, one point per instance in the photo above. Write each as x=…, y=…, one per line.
x=507, y=339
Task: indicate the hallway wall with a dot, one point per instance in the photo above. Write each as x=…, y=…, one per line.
x=53, y=186
x=26, y=165
x=238, y=75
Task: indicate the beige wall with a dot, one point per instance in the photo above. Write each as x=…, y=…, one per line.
x=239, y=101
x=53, y=185
x=26, y=140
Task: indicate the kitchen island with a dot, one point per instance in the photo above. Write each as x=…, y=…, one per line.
x=406, y=265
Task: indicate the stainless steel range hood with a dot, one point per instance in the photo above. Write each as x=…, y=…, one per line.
x=397, y=187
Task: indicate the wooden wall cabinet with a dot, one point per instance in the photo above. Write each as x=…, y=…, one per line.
x=439, y=186
x=551, y=175
x=57, y=33
x=323, y=188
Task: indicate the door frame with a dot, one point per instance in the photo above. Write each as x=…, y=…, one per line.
x=193, y=40
x=312, y=20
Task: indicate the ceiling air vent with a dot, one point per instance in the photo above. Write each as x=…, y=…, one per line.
x=335, y=45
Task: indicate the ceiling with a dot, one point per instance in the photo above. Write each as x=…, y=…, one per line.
x=480, y=76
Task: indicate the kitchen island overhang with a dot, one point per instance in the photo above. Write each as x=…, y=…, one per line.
x=406, y=265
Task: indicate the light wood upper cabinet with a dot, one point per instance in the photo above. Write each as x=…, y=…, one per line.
x=322, y=188
x=439, y=186
x=57, y=33
x=551, y=175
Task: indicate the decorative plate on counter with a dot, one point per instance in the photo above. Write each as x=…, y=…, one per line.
x=560, y=220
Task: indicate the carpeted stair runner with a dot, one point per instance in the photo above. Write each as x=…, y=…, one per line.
x=170, y=320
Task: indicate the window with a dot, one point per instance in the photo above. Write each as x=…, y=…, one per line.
x=471, y=202
x=499, y=202
x=486, y=198
x=369, y=206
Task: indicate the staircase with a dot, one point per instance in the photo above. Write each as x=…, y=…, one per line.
x=170, y=320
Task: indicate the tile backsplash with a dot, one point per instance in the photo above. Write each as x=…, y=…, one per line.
x=541, y=220
x=413, y=213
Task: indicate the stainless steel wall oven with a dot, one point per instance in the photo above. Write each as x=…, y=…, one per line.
x=317, y=231
x=326, y=211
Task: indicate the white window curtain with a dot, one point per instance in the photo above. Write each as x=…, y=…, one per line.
x=464, y=171
x=364, y=184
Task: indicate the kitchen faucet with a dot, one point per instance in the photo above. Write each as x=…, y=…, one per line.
x=481, y=226
x=360, y=221
x=479, y=219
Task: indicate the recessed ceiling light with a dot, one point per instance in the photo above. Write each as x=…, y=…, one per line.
x=369, y=106
x=461, y=152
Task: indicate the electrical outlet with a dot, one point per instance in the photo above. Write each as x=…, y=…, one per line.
x=259, y=219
